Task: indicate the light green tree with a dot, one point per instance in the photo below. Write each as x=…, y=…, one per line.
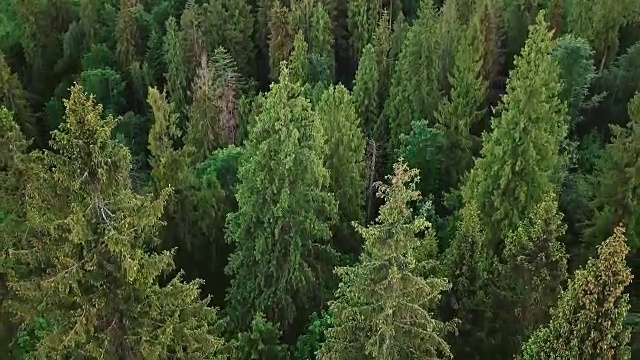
x=384, y=306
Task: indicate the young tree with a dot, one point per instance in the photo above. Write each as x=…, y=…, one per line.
x=520, y=161
x=589, y=319
x=383, y=307
x=88, y=268
x=285, y=211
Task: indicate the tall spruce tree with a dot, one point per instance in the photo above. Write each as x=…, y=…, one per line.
x=12, y=97
x=589, y=319
x=281, y=228
x=384, y=306
x=89, y=272
x=176, y=75
x=280, y=38
x=127, y=33
x=520, y=162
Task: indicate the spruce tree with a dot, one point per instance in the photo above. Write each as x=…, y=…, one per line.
x=520, y=161
x=365, y=91
x=589, y=319
x=361, y=21
x=281, y=228
x=238, y=35
x=89, y=271
x=12, y=97
x=191, y=36
x=345, y=145
x=616, y=192
x=321, y=41
x=126, y=33
x=280, y=38
x=461, y=110
x=299, y=60
x=383, y=307
x=415, y=93
x=176, y=75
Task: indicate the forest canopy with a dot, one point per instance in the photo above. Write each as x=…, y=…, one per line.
x=319, y=179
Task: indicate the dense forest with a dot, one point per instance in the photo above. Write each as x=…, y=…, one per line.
x=320, y=179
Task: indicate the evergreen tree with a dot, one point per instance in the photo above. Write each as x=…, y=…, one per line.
x=383, y=307
x=176, y=69
x=365, y=90
x=282, y=225
x=345, y=157
x=532, y=277
x=589, y=319
x=362, y=21
x=90, y=233
x=616, y=194
x=520, y=161
x=461, y=110
x=449, y=30
x=126, y=33
x=414, y=92
x=191, y=37
x=280, y=38
x=487, y=24
x=12, y=97
x=261, y=342
x=238, y=36
x=321, y=41
x=299, y=60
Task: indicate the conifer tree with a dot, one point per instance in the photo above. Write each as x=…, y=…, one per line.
x=299, y=60
x=345, y=157
x=414, y=92
x=362, y=20
x=126, y=33
x=191, y=36
x=365, y=90
x=449, y=30
x=281, y=228
x=589, y=319
x=12, y=97
x=321, y=41
x=616, y=193
x=383, y=307
x=532, y=277
x=176, y=69
x=462, y=109
x=520, y=161
x=239, y=36
x=280, y=38
x=385, y=57
x=487, y=25
x=91, y=232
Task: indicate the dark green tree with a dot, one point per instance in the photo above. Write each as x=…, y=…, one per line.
x=280, y=38
x=12, y=97
x=589, y=319
x=365, y=91
x=383, y=307
x=127, y=34
x=176, y=75
x=261, y=342
x=100, y=289
x=281, y=228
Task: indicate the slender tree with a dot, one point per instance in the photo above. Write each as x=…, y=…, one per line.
x=127, y=34
x=383, y=308
x=90, y=233
x=12, y=97
x=280, y=38
x=176, y=68
x=365, y=90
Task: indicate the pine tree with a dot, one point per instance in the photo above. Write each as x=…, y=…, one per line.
x=414, y=92
x=520, y=161
x=91, y=232
x=282, y=226
x=345, y=157
x=280, y=38
x=365, y=90
x=462, y=109
x=589, y=319
x=383, y=307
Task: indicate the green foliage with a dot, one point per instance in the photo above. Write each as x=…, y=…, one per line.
x=261, y=342
x=311, y=341
x=589, y=319
x=12, y=97
x=282, y=225
x=280, y=38
x=415, y=91
x=575, y=61
x=98, y=57
x=299, y=60
x=126, y=34
x=616, y=192
x=520, y=161
x=321, y=40
x=365, y=90
x=106, y=85
x=422, y=149
x=91, y=231
x=176, y=68
x=383, y=307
